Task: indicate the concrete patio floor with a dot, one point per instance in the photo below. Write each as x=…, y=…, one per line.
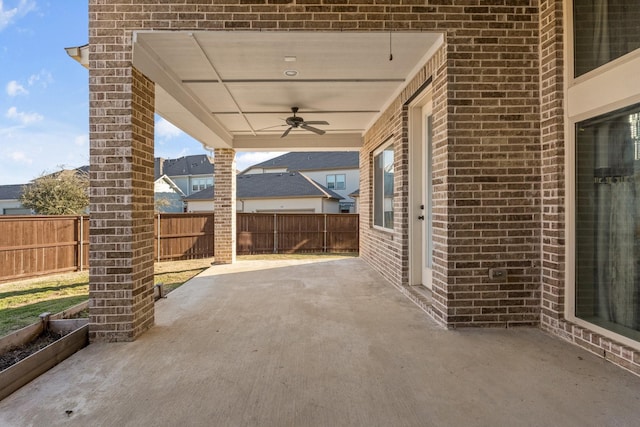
x=323, y=343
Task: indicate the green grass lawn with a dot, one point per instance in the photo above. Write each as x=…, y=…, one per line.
x=21, y=302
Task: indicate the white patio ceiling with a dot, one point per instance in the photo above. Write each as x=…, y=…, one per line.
x=228, y=89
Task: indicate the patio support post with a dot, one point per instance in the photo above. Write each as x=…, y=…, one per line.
x=121, y=197
x=224, y=202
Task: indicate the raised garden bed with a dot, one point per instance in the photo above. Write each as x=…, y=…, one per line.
x=33, y=350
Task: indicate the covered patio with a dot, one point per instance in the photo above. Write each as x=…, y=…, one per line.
x=318, y=343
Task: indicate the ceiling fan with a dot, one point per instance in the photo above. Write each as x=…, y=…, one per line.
x=295, y=122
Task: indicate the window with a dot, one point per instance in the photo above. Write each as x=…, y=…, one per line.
x=603, y=31
x=603, y=140
x=199, y=184
x=383, y=186
x=336, y=182
x=607, y=215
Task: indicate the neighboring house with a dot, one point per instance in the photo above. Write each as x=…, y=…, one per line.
x=10, y=194
x=336, y=170
x=355, y=195
x=286, y=192
x=167, y=195
x=9, y=200
x=190, y=173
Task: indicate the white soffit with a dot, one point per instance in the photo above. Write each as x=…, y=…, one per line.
x=225, y=87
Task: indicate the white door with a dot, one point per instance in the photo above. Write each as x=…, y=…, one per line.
x=426, y=207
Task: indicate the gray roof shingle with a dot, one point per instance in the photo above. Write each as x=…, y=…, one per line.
x=272, y=185
x=199, y=164
x=11, y=192
x=314, y=160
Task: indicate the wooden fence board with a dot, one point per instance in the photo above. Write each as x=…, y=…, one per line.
x=38, y=245
x=255, y=233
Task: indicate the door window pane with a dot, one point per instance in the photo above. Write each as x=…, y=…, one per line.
x=608, y=221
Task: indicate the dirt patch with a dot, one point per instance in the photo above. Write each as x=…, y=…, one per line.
x=84, y=314
x=12, y=357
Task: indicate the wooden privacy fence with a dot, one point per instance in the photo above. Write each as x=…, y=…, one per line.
x=296, y=233
x=183, y=236
x=38, y=245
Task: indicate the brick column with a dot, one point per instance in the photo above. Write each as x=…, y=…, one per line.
x=553, y=174
x=224, y=203
x=121, y=227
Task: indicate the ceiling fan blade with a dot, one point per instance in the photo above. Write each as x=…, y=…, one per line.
x=312, y=129
x=286, y=132
x=270, y=127
x=321, y=122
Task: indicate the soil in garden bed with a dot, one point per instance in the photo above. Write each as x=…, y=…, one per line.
x=15, y=355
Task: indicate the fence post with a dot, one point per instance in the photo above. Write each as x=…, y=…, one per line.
x=324, y=246
x=275, y=233
x=81, y=244
x=158, y=227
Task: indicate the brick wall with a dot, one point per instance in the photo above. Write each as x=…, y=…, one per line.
x=486, y=167
x=224, y=205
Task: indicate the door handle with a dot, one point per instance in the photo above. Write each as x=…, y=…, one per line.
x=421, y=217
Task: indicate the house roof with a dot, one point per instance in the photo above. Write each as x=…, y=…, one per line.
x=68, y=172
x=272, y=185
x=11, y=192
x=199, y=164
x=84, y=169
x=314, y=160
x=172, y=184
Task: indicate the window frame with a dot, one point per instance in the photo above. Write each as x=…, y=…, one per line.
x=199, y=184
x=335, y=181
x=569, y=74
x=388, y=143
x=597, y=92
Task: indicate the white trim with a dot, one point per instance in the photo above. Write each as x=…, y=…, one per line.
x=587, y=99
x=416, y=155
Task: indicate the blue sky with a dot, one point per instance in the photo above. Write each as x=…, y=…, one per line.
x=44, y=94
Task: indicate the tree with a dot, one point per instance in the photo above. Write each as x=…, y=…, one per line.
x=161, y=203
x=62, y=193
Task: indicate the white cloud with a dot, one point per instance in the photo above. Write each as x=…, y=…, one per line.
x=8, y=15
x=166, y=130
x=44, y=77
x=244, y=160
x=24, y=118
x=14, y=89
x=20, y=157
